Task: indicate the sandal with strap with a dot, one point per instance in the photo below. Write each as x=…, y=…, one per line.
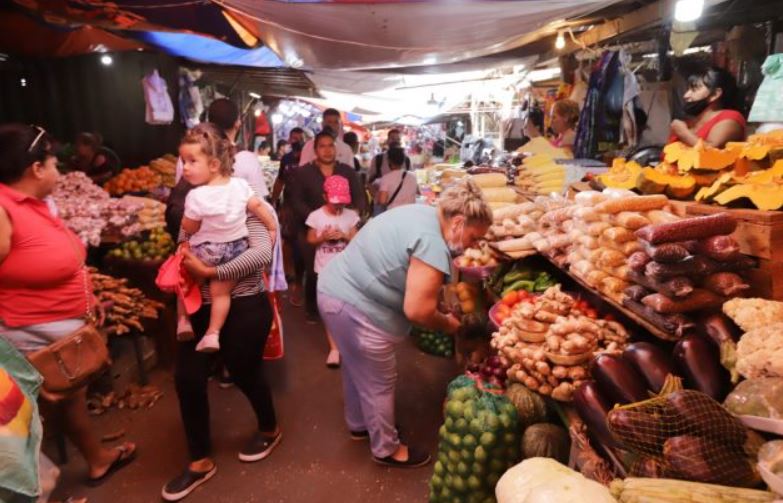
x=127, y=453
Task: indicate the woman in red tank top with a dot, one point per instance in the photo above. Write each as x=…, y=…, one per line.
x=43, y=289
x=710, y=102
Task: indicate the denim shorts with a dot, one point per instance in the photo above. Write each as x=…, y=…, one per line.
x=219, y=253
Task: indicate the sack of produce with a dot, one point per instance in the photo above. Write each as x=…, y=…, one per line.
x=479, y=441
x=434, y=343
x=687, y=435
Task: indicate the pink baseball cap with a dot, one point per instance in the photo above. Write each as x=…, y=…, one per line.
x=337, y=190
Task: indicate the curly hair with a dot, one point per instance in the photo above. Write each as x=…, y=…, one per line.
x=569, y=110
x=214, y=145
x=465, y=198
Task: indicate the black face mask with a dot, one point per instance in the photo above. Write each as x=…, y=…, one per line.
x=695, y=108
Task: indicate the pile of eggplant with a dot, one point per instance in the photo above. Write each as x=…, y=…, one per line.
x=638, y=374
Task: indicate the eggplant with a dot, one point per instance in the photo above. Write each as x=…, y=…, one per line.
x=710, y=461
x=720, y=328
x=652, y=362
x=698, y=361
x=702, y=416
x=636, y=430
x=618, y=380
x=593, y=409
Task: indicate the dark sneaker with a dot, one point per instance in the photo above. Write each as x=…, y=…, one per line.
x=185, y=483
x=415, y=460
x=259, y=447
x=360, y=435
x=311, y=318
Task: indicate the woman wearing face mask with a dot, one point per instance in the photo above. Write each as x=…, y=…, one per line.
x=388, y=277
x=709, y=104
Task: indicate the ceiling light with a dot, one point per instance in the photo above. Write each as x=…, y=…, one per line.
x=106, y=60
x=686, y=11
x=23, y=82
x=255, y=96
x=560, y=41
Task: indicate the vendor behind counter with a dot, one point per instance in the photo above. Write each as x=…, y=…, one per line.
x=711, y=105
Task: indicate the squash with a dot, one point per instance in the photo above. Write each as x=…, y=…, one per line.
x=722, y=183
x=657, y=181
x=771, y=175
x=700, y=156
x=545, y=440
x=622, y=175
x=531, y=407
x=765, y=197
x=705, y=178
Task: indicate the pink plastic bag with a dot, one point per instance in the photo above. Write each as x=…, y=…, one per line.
x=172, y=278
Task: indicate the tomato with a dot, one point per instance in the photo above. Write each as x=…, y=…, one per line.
x=505, y=309
x=510, y=299
x=609, y=317
x=591, y=313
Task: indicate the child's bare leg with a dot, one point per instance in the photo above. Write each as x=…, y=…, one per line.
x=221, y=303
x=184, y=328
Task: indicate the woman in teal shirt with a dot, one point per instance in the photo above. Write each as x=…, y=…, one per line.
x=388, y=277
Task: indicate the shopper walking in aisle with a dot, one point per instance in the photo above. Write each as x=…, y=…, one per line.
x=330, y=121
x=44, y=285
x=399, y=186
x=307, y=195
x=330, y=228
x=388, y=277
x=352, y=140
x=380, y=164
x=289, y=228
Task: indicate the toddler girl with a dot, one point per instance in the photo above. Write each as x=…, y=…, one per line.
x=215, y=220
x=330, y=228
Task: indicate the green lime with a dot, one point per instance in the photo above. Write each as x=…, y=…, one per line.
x=436, y=482
x=443, y=457
x=462, y=468
x=454, y=455
x=454, y=408
x=469, y=410
x=461, y=426
x=455, y=440
x=439, y=470
x=478, y=469
x=474, y=483
x=469, y=441
x=458, y=484
x=445, y=493
x=451, y=467
x=492, y=423
x=480, y=454
x=442, y=431
x=466, y=455
x=506, y=421
x=509, y=439
x=475, y=427
x=487, y=439
x=449, y=424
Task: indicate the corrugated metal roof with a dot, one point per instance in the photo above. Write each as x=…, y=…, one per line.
x=265, y=81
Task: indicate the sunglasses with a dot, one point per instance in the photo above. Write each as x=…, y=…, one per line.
x=41, y=132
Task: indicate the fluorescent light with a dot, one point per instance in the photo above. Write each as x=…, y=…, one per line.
x=544, y=74
x=690, y=50
x=686, y=11
x=255, y=96
x=106, y=60
x=560, y=41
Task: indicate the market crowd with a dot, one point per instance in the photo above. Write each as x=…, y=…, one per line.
x=367, y=262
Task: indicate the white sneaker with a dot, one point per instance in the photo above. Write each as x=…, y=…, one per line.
x=210, y=343
x=333, y=360
x=184, y=329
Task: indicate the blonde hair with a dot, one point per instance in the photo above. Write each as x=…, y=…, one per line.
x=465, y=198
x=569, y=110
x=214, y=144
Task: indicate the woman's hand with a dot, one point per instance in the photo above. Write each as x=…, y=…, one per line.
x=197, y=269
x=453, y=324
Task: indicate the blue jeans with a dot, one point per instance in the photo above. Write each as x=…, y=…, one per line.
x=369, y=372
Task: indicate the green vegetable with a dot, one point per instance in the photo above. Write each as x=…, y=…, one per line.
x=522, y=284
x=543, y=282
x=479, y=440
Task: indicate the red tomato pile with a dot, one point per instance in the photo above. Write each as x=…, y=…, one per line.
x=510, y=300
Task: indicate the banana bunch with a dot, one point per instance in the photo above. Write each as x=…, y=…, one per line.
x=166, y=166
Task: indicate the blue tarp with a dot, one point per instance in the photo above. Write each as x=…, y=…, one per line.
x=207, y=50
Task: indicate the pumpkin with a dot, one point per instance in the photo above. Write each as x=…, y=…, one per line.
x=722, y=183
x=545, y=440
x=531, y=407
x=657, y=181
x=622, y=175
x=700, y=156
x=765, y=197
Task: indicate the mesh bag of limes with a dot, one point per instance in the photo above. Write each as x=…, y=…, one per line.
x=434, y=343
x=479, y=441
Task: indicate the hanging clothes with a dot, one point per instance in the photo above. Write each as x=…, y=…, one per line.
x=768, y=107
x=630, y=133
x=190, y=105
x=599, y=122
x=159, y=107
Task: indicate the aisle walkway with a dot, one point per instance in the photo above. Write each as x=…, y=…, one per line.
x=316, y=461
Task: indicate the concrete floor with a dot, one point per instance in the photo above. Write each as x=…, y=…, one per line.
x=316, y=461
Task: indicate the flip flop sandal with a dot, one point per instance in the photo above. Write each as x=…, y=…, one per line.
x=127, y=455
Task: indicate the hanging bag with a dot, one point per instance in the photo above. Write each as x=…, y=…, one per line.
x=274, y=348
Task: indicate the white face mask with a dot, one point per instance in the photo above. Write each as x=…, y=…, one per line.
x=456, y=247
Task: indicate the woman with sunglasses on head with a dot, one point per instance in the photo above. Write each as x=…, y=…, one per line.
x=710, y=104
x=44, y=291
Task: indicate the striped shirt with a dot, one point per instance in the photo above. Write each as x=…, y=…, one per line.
x=245, y=269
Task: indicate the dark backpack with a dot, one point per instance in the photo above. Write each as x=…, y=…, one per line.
x=379, y=164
